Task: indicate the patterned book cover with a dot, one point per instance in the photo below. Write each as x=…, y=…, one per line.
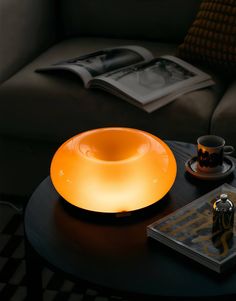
x=189, y=230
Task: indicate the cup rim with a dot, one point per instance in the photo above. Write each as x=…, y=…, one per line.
x=211, y=136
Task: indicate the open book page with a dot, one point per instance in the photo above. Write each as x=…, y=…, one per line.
x=160, y=102
x=156, y=104
x=150, y=81
x=106, y=60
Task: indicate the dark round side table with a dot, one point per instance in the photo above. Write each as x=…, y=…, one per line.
x=115, y=253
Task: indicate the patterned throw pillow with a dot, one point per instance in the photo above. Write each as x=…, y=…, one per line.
x=212, y=37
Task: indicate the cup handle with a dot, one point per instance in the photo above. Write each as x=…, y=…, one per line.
x=228, y=149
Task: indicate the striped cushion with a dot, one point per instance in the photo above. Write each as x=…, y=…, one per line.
x=212, y=36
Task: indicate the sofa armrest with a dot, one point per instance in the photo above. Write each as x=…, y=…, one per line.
x=223, y=119
x=26, y=28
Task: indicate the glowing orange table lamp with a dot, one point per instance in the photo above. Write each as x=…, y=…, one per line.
x=113, y=170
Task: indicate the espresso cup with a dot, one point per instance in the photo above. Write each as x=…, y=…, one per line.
x=211, y=152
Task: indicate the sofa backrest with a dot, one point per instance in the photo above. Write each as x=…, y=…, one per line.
x=166, y=20
x=26, y=28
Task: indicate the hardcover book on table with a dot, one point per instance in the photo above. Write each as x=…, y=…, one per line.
x=189, y=230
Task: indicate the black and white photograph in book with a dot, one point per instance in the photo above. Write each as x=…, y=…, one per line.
x=148, y=77
x=106, y=60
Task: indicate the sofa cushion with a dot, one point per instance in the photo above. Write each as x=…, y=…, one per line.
x=223, y=121
x=56, y=106
x=129, y=19
x=211, y=38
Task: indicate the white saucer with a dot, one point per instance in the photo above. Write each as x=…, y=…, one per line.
x=228, y=168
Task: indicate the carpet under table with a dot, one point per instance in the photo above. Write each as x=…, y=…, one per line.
x=12, y=267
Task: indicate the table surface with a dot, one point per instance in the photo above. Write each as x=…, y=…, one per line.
x=115, y=253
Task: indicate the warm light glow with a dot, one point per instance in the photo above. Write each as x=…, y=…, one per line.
x=113, y=170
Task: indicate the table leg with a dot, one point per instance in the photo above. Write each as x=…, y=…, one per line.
x=33, y=274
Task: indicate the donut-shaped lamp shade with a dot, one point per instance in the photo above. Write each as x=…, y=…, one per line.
x=113, y=170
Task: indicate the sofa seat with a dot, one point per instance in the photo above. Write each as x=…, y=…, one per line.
x=53, y=107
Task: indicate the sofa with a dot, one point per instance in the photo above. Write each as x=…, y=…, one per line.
x=40, y=111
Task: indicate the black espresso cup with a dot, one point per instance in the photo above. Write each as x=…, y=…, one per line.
x=211, y=152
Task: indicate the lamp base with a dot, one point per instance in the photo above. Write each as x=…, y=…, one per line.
x=120, y=217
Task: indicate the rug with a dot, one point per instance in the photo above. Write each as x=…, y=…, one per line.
x=12, y=265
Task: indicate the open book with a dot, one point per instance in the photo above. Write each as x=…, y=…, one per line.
x=189, y=230
x=133, y=74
